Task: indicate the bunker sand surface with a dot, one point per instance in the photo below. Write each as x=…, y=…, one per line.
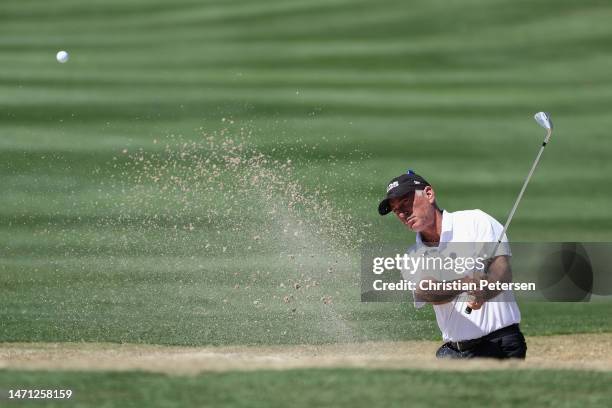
x=580, y=352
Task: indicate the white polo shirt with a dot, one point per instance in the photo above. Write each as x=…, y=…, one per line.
x=501, y=311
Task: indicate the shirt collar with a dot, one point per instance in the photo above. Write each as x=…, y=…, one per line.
x=447, y=226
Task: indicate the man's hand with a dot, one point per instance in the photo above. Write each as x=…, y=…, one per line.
x=475, y=299
x=475, y=303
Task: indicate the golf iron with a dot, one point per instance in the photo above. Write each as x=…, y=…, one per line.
x=543, y=120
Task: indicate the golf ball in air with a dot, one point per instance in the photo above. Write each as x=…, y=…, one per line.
x=62, y=57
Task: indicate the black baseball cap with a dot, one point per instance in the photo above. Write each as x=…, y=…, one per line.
x=399, y=187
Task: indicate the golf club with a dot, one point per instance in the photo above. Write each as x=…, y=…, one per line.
x=543, y=120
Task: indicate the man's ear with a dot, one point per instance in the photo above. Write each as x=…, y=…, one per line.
x=430, y=194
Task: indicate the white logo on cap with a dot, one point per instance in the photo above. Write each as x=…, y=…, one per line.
x=417, y=182
x=392, y=185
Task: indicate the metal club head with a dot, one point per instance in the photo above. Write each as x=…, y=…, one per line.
x=544, y=120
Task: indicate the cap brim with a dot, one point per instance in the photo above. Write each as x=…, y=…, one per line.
x=384, y=207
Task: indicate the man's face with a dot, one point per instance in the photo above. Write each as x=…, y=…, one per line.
x=415, y=210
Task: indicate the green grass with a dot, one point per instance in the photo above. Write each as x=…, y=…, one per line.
x=178, y=301
x=337, y=387
x=351, y=91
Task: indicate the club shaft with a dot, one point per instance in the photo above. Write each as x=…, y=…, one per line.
x=520, y=196
x=468, y=310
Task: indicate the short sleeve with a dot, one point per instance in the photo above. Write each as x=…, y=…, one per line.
x=488, y=230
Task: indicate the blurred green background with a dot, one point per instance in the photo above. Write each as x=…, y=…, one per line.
x=353, y=92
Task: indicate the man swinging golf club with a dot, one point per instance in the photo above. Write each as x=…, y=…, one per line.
x=489, y=325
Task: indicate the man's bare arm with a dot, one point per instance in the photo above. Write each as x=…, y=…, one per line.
x=438, y=297
x=499, y=270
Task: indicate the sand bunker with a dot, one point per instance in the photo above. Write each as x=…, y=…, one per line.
x=582, y=351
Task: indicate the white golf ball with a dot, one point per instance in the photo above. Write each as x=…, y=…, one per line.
x=62, y=57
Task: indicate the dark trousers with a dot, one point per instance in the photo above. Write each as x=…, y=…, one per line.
x=504, y=343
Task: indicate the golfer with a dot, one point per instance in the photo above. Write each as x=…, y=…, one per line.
x=492, y=328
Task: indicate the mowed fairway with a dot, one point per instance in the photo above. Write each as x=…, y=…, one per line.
x=330, y=98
